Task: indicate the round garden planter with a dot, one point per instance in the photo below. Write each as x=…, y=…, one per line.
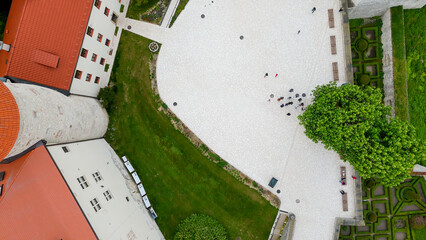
x=361, y=45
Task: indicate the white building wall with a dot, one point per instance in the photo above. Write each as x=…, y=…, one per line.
x=117, y=218
x=104, y=25
x=49, y=115
x=371, y=8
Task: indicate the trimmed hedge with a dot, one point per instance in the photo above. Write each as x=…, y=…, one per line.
x=200, y=227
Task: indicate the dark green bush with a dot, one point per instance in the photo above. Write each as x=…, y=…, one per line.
x=356, y=22
x=200, y=227
x=364, y=79
x=361, y=45
x=371, y=217
x=369, y=183
x=121, y=8
x=417, y=222
x=106, y=67
x=410, y=195
x=106, y=96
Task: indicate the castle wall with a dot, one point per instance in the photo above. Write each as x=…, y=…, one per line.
x=54, y=117
x=371, y=8
x=388, y=61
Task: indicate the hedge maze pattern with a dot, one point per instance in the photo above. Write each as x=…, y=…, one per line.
x=392, y=211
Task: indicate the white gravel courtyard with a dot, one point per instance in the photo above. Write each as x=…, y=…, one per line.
x=214, y=69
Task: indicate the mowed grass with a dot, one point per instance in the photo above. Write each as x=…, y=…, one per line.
x=415, y=42
x=179, y=180
x=399, y=69
x=137, y=7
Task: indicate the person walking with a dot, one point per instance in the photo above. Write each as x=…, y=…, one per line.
x=314, y=9
x=276, y=75
x=342, y=192
x=298, y=32
x=266, y=74
x=341, y=10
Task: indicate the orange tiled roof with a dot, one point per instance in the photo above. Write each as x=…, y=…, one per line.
x=36, y=202
x=55, y=28
x=9, y=121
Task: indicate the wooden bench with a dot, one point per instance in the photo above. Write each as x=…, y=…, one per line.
x=330, y=18
x=335, y=72
x=333, y=45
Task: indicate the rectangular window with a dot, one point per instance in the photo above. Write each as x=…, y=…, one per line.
x=98, y=3
x=97, y=80
x=100, y=37
x=107, y=195
x=89, y=31
x=77, y=74
x=106, y=12
x=97, y=176
x=107, y=42
x=1, y=176
x=94, y=56
x=1, y=189
x=83, y=182
x=102, y=62
x=95, y=204
x=65, y=149
x=88, y=77
x=84, y=52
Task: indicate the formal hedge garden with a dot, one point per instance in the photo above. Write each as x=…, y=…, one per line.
x=396, y=213
x=367, y=52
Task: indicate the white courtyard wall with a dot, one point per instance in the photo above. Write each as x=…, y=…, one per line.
x=371, y=8
x=118, y=217
x=49, y=115
x=101, y=24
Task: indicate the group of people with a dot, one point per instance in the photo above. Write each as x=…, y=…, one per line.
x=295, y=100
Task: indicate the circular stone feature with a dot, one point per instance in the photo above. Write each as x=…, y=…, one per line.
x=271, y=96
x=175, y=104
x=361, y=45
x=297, y=201
x=129, y=27
x=203, y=16
x=153, y=47
x=241, y=37
x=364, y=79
x=278, y=191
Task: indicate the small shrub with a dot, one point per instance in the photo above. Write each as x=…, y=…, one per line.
x=364, y=79
x=200, y=227
x=106, y=96
x=417, y=222
x=356, y=22
x=116, y=31
x=222, y=164
x=361, y=45
x=371, y=217
x=122, y=8
x=410, y=195
x=106, y=67
x=369, y=183
x=254, y=184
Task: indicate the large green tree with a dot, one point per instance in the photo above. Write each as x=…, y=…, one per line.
x=356, y=124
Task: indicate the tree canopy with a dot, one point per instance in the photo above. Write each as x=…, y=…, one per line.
x=356, y=124
x=200, y=227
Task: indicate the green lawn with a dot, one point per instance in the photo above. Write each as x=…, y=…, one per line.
x=399, y=70
x=415, y=41
x=178, y=178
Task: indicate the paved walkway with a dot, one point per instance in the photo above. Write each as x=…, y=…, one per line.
x=212, y=65
x=147, y=30
x=171, y=9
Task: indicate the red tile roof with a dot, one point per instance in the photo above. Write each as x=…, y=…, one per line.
x=55, y=27
x=9, y=121
x=36, y=202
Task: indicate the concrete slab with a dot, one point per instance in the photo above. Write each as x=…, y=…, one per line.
x=212, y=65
